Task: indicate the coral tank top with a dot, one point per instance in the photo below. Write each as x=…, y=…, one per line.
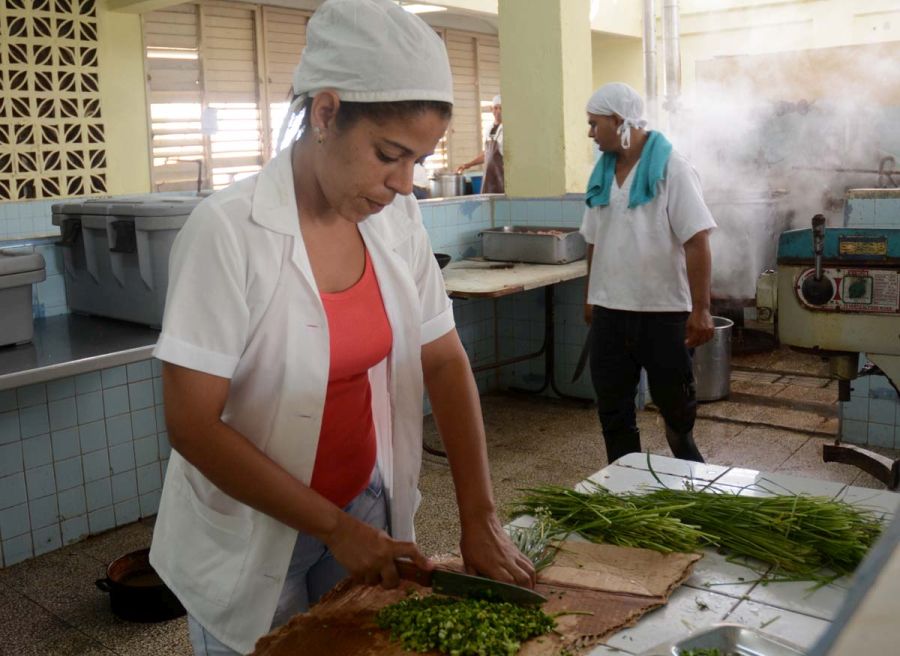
x=360, y=338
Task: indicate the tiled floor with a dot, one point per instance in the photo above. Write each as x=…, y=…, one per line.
x=49, y=605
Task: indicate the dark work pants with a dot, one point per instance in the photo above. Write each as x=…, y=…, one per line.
x=622, y=343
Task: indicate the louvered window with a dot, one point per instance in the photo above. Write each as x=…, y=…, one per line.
x=475, y=63
x=219, y=84
x=284, y=38
x=204, y=93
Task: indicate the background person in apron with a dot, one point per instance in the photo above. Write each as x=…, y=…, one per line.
x=492, y=155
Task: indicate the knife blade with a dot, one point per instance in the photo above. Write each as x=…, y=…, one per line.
x=457, y=584
x=582, y=359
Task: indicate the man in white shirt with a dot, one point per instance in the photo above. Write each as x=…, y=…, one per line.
x=649, y=274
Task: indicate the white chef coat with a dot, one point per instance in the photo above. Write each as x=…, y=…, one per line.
x=639, y=261
x=243, y=304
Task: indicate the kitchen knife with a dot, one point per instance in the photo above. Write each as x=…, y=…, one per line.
x=457, y=584
x=582, y=359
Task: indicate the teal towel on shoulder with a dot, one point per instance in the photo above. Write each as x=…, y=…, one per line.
x=651, y=168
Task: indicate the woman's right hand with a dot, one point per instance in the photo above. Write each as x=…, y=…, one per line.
x=369, y=553
x=460, y=169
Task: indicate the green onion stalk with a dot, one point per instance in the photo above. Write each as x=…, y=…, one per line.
x=802, y=537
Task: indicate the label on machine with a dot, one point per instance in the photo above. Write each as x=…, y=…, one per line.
x=856, y=290
x=857, y=246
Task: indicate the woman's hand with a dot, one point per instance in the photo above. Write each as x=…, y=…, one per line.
x=487, y=551
x=460, y=169
x=369, y=553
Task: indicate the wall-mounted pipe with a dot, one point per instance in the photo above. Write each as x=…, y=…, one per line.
x=650, y=74
x=672, y=49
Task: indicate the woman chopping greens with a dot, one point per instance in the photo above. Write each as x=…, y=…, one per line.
x=306, y=314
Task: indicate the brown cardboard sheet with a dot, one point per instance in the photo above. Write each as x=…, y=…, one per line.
x=607, y=588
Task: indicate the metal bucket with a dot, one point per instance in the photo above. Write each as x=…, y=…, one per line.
x=712, y=363
x=447, y=185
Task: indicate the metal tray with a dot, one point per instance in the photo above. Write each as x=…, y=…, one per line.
x=731, y=640
x=535, y=244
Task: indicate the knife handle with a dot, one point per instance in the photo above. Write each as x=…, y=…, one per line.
x=409, y=571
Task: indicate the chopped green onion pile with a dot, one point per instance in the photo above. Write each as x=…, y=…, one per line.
x=711, y=651
x=801, y=536
x=462, y=627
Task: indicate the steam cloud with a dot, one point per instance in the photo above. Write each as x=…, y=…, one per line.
x=773, y=148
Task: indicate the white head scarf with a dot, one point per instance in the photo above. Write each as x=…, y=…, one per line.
x=370, y=51
x=620, y=99
x=496, y=101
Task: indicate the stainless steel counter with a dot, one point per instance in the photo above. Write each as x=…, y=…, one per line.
x=71, y=344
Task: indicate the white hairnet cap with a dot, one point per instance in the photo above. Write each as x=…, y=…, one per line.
x=373, y=51
x=496, y=101
x=620, y=99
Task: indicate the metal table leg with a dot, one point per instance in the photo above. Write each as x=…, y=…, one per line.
x=549, y=351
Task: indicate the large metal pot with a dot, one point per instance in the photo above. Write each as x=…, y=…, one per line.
x=444, y=185
x=743, y=245
x=712, y=363
x=136, y=593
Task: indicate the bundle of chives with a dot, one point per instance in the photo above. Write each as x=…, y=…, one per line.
x=801, y=536
x=602, y=516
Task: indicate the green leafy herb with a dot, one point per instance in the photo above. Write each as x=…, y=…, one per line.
x=462, y=627
x=601, y=516
x=536, y=541
x=803, y=537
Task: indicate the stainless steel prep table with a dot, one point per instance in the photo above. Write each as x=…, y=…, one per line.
x=723, y=591
x=474, y=279
x=71, y=344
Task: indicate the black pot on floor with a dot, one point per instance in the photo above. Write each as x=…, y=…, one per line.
x=136, y=593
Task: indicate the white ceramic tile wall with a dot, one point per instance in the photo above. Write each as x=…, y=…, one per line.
x=79, y=456
x=26, y=219
x=872, y=415
x=49, y=296
x=454, y=227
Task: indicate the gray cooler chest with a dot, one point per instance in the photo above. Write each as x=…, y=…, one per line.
x=116, y=254
x=19, y=269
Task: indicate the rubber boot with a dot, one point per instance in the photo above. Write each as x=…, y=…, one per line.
x=682, y=445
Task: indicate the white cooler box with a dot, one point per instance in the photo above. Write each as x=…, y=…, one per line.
x=116, y=254
x=19, y=269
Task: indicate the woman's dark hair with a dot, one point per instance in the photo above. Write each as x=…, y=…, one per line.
x=380, y=112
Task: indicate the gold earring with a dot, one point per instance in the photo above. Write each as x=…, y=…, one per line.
x=320, y=138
